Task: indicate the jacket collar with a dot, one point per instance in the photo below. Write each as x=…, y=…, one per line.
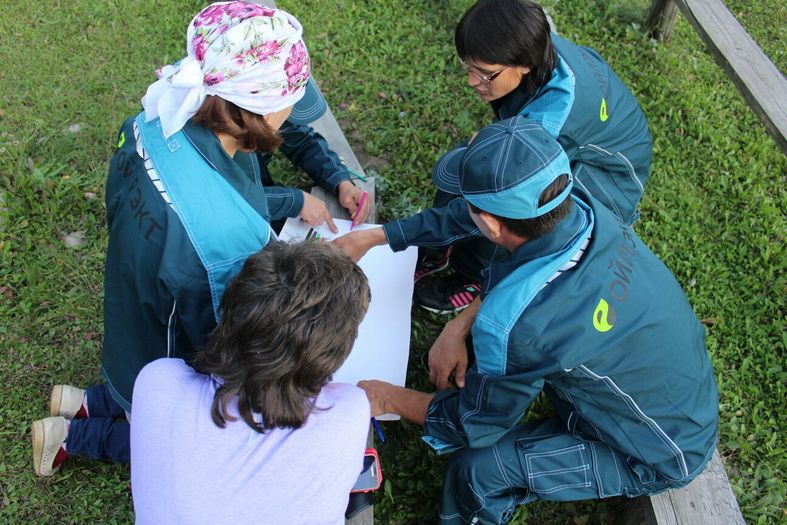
x=511, y=104
x=535, y=248
x=242, y=171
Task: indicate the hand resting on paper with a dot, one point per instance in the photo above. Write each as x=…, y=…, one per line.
x=349, y=196
x=386, y=398
x=375, y=392
x=448, y=355
x=356, y=243
x=315, y=212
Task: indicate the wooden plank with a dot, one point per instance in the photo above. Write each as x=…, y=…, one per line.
x=706, y=500
x=328, y=127
x=661, y=18
x=760, y=82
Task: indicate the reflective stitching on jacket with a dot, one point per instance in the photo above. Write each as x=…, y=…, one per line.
x=585, y=169
x=657, y=430
x=443, y=421
x=477, y=400
x=149, y=168
x=632, y=171
x=171, y=330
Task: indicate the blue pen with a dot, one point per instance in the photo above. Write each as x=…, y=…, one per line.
x=379, y=430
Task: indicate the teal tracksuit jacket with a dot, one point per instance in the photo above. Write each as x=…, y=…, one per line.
x=159, y=298
x=591, y=317
x=595, y=118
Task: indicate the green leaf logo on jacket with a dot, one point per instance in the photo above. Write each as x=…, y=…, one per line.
x=603, y=317
x=602, y=114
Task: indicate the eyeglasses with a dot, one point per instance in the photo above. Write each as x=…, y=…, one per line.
x=486, y=79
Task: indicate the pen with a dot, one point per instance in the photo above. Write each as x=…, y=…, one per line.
x=357, y=175
x=361, y=203
x=379, y=430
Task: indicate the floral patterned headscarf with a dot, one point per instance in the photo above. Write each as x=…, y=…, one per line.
x=247, y=54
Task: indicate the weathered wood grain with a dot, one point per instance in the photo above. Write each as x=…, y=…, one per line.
x=661, y=18
x=762, y=85
x=708, y=500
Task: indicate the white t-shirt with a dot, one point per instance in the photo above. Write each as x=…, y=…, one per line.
x=185, y=469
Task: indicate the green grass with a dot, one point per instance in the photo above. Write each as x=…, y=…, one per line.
x=713, y=211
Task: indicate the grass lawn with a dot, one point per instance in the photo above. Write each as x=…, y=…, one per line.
x=713, y=211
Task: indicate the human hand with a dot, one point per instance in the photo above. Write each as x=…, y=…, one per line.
x=376, y=392
x=448, y=357
x=315, y=212
x=356, y=244
x=349, y=198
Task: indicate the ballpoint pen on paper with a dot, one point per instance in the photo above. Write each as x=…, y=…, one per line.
x=361, y=203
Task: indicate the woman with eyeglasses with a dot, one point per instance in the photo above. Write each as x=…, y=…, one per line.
x=514, y=62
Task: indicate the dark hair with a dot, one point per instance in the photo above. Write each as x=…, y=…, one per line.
x=543, y=224
x=510, y=33
x=250, y=130
x=290, y=318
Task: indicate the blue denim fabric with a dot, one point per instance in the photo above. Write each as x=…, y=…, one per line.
x=105, y=434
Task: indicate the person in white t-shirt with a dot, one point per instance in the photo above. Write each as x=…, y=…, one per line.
x=258, y=434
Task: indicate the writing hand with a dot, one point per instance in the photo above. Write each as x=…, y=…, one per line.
x=315, y=212
x=349, y=197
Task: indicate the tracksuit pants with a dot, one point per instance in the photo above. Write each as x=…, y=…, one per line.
x=536, y=460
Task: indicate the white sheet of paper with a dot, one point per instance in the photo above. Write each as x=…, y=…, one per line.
x=382, y=348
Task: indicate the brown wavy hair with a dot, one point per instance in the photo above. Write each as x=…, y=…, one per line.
x=250, y=130
x=289, y=320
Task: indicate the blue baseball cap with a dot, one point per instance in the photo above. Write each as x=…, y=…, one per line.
x=310, y=107
x=505, y=169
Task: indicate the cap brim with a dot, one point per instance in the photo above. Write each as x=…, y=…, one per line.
x=445, y=174
x=309, y=108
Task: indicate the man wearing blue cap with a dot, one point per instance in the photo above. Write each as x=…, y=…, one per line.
x=579, y=309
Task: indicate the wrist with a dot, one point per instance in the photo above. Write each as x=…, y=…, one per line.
x=374, y=237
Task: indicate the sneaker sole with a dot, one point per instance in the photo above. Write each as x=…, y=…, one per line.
x=444, y=312
x=432, y=272
x=55, y=400
x=37, y=439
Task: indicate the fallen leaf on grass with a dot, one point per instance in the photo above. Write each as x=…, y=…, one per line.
x=74, y=239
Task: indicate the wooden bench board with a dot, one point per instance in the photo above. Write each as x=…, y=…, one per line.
x=706, y=500
x=756, y=77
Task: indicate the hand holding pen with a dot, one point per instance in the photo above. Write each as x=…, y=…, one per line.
x=356, y=217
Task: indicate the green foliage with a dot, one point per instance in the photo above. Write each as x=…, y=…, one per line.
x=713, y=211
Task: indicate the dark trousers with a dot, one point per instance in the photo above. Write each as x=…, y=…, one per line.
x=105, y=434
x=536, y=460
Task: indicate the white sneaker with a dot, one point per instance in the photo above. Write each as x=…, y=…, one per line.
x=66, y=400
x=48, y=436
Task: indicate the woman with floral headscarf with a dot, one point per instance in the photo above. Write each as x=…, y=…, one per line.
x=186, y=206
